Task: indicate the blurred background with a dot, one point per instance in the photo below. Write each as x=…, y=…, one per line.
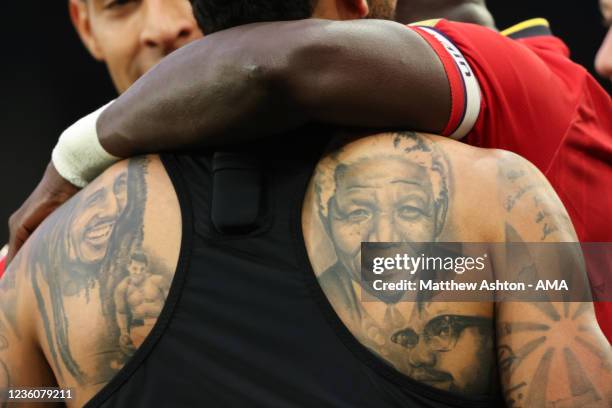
x=49, y=80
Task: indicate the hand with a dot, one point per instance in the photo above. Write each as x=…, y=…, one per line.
x=51, y=192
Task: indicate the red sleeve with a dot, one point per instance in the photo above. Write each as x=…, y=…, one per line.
x=465, y=92
x=2, y=265
x=528, y=96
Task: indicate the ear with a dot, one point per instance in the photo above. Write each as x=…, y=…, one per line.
x=81, y=19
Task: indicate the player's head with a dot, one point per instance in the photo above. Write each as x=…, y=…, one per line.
x=131, y=36
x=388, y=191
x=216, y=15
x=603, y=62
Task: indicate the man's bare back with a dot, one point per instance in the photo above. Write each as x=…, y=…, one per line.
x=416, y=188
x=69, y=316
x=79, y=282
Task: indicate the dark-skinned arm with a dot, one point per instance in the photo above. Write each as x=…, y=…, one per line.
x=263, y=79
x=260, y=80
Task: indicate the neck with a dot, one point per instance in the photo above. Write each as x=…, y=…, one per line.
x=475, y=12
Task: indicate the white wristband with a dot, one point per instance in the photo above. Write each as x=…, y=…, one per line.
x=78, y=156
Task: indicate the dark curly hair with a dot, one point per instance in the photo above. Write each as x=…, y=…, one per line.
x=217, y=15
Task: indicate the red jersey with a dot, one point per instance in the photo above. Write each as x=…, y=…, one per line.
x=519, y=91
x=2, y=264
x=528, y=97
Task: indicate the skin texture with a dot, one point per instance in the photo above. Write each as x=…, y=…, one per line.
x=89, y=286
x=291, y=74
x=281, y=75
x=73, y=319
x=402, y=188
x=131, y=36
x=139, y=297
x=603, y=61
x=458, y=369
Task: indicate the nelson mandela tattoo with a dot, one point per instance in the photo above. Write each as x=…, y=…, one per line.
x=398, y=193
x=398, y=189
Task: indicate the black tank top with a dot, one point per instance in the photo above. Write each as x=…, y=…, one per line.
x=246, y=323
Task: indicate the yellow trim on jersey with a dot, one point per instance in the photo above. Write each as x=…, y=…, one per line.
x=534, y=22
x=427, y=23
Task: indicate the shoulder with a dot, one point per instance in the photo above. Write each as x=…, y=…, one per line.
x=78, y=259
x=422, y=180
x=514, y=192
x=530, y=204
x=458, y=183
